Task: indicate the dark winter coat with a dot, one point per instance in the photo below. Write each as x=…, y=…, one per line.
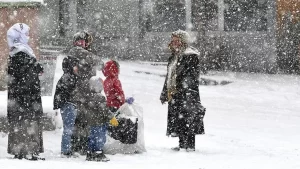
x=185, y=109
x=66, y=84
x=87, y=62
x=96, y=110
x=24, y=108
x=112, y=85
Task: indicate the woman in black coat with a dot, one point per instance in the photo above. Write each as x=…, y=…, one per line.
x=24, y=107
x=181, y=91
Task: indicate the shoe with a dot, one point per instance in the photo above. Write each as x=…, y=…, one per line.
x=20, y=157
x=69, y=155
x=174, y=135
x=190, y=149
x=82, y=152
x=175, y=148
x=99, y=156
x=90, y=156
x=33, y=158
x=66, y=155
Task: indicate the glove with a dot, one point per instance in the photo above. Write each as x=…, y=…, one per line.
x=114, y=122
x=39, y=69
x=129, y=100
x=162, y=99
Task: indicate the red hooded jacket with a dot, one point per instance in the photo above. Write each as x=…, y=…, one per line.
x=112, y=85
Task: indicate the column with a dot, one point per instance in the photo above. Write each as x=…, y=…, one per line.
x=221, y=7
x=188, y=15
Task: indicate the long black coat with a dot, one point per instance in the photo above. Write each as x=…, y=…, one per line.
x=24, y=108
x=185, y=112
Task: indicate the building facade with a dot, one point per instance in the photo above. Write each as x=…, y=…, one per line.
x=237, y=35
x=11, y=13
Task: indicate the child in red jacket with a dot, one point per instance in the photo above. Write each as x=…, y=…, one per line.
x=112, y=85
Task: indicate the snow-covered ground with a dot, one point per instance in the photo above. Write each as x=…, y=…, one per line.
x=251, y=123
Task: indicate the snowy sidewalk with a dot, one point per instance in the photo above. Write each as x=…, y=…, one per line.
x=251, y=123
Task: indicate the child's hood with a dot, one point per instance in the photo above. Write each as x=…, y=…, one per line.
x=68, y=64
x=96, y=84
x=111, y=69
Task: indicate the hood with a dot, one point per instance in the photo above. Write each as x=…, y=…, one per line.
x=96, y=84
x=69, y=63
x=87, y=62
x=183, y=35
x=18, y=33
x=111, y=69
x=17, y=39
x=184, y=38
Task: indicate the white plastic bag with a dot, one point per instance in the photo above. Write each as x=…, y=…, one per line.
x=57, y=120
x=112, y=146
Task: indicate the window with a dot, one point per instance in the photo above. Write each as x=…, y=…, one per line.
x=63, y=17
x=245, y=15
x=208, y=8
x=168, y=15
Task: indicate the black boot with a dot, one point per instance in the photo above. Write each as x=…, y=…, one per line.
x=182, y=143
x=90, y=156
x=20, y=157
x=191, y=143
x=33, y=157
x=99, y=156
x=175, y=148
x=70, y=155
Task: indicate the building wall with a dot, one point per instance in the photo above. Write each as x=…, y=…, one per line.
x=115, y=27
x=48, y=22
x=288, y=6
x=129, y=31
x=249, y=47
x=246, y=46
x=10, y=16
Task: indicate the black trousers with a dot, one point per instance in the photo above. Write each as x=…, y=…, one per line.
x=187, y=141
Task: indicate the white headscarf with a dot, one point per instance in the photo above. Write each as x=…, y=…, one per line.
x=17, y=39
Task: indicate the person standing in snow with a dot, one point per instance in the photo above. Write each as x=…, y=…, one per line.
x=24, y=106
x=112, y=85
x=181, y=91
x=63, y=100
x=88, y=64
x=98, y=116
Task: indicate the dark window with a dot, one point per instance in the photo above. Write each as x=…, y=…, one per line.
x=245, y=15
x=205, y=11
x=168, y=15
